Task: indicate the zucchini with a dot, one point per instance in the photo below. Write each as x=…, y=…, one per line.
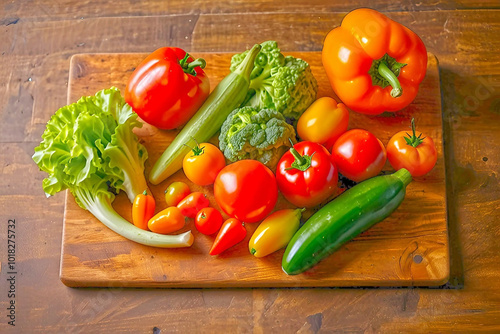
x=227, y=96
x=344, y=218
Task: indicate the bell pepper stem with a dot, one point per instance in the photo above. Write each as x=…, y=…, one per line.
x=388, y=75
x=197, y=62
x=189, y=68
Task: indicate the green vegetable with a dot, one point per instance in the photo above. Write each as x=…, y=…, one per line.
x=344, y=218
x=260, y=135
x=227, y=96
x=88, y=147
x=285, y=84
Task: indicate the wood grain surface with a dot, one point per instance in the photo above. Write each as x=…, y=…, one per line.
x=37, y=41
x=409, y=248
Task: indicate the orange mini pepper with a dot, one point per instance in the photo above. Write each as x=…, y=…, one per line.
x=143, y=209
x=374, y=64
x=167, y=221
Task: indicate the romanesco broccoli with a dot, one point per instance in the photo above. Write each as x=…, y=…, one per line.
x=285, y=84
x=261, y=135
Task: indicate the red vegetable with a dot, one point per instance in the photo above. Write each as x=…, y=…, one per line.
x=231, y=233
x=246, y=190
x=306, y=174
x=208, y=221
x=359, y=155
x=416, y=153
x=192, y=204
x=167, y=88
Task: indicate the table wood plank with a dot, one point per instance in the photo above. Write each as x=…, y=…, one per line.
x=466, y=43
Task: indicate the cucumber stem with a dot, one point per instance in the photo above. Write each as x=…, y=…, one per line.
x=404, y=175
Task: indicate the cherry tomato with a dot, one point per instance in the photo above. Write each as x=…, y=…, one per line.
x=208, y=221
x=417, y=153
x=176, y=192
x=306, y=174
x=167, y=88
x=193, y=203
x=231, y=233
x=167, y=221
x=323, y=122
x=359, y=155
x=246, y=190
x=202, y=164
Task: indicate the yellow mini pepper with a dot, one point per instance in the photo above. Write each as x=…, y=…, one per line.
x=275, y=232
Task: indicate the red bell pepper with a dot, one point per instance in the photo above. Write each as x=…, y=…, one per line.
x=167, y=88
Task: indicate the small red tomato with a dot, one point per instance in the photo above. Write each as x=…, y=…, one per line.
x=167, y=88
x=416, y=153
x=231, y=233
x=193, y=203
x=176, y=192
x=202, y=164
x=167, y=221
x=246, y=190
x=306, y=174
x=208, y=221
x=359, y=155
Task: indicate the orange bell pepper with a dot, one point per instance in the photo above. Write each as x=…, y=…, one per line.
x=143, y=209
x=374, y=64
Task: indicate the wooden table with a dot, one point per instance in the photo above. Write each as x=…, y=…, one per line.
x=36, y=43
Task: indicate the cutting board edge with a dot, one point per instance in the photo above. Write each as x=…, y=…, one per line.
x=70, y=281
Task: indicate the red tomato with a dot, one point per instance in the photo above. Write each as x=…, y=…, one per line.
x=323, y=122
x=246, y=190
x=193, y=203
x=176, y=192
x=202, y=164
x=208, y=221
x=306, y=174
x=167, y=89
x=416, y=153
x=359, y=155
x=167, y=221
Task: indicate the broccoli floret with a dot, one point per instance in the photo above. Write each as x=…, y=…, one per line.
x=260, y=135
x=285, y=84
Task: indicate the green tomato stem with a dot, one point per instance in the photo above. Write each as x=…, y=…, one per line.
x=413, y=141
x=302, y=162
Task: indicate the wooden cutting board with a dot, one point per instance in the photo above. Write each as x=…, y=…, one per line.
x=409, y=248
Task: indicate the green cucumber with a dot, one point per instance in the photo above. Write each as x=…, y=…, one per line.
x=227, y=96
x=344, y=218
